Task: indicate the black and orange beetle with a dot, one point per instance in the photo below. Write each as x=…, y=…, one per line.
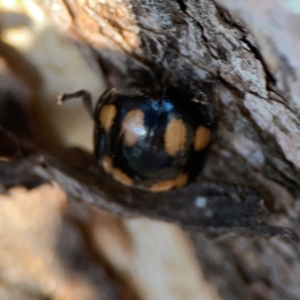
x=151, y=143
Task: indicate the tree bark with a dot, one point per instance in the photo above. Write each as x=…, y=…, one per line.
x=243, y=55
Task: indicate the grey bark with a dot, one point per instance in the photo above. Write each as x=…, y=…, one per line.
x=246, y=59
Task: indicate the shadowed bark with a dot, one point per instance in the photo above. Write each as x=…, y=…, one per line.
x=245, y=60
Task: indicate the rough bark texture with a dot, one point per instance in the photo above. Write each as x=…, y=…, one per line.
x=245, y=59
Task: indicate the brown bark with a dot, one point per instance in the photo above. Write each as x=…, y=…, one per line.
x=245, y=59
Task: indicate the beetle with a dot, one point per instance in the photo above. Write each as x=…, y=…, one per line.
x=149, y=142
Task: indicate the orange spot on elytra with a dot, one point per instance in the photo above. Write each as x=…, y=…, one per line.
x=117, y=174
x=202, y=138
x=122, y=177
x=107, y=115
x=162, y=186
x=133, y=126
x=107, y=164
x=175, y=136
x=181, y=180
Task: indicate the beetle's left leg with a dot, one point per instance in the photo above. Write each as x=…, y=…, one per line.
x=84, y=94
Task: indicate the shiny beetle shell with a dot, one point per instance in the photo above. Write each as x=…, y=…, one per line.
x=154, y=144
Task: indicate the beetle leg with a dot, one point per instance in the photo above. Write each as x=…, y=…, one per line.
x=84, y=94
